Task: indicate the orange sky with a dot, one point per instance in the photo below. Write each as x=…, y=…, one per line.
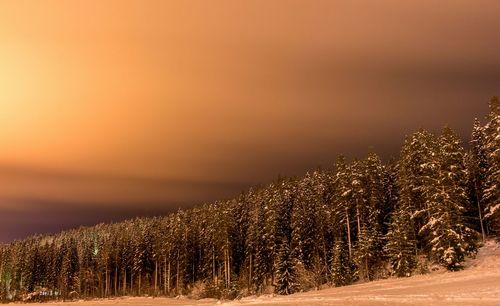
x=105, y=105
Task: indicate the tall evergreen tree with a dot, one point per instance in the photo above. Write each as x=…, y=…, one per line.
x=370, y=241
x=491, y=191
x=342, y=201
x=342, y=266
x=391, y=195
x=477, y=165
x=304, y=234
x=286, y=273
x=450, y=238
x=401, y=243
x=257, y=252
x=417, y=176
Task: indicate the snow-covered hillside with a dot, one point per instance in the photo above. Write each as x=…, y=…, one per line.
x=478, y=284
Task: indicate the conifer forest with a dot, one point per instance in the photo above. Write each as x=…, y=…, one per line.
x=358, y=220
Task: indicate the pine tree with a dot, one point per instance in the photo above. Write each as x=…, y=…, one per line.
x=304, y=234
x=370, y=241
x=491, y=191
x=450, y=239
x=401, y=244
x=257, y=252
x=418, y=171
x=342, y=267
x=283, y=198
x=391, y=195
x=342, y=201
x=477, y=165
x=69, y=267
x=286, y=274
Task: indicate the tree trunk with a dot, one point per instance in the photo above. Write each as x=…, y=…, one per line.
x=178, y=274
x=348, y=233
x=226, y=266
x=165, y=274
x=168, y=282
x=101, y=286
x=124, y=281
x=228, y=270
x=250, y=274
x=132, y=283
x=106, y=290
x=327, y=269
x=479, y=211
x=116, y=280
x=192, y=271
x=366, y=267
x=359, y=222
x=219, y=277
x=156, y=277
x=139, y=285
x=214, y=272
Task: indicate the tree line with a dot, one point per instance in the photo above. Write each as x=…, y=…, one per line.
x=358, y=220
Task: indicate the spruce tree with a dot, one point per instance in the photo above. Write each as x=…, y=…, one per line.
x=342, y=267
x=401, y=243
x=391, y=195
x=257, y=252
x=416, y=179
x=286, y=274
x=449, y=238
x=342, y=201
x=491, y=191
x=304, y=234
x=370, y=241
x=477, y=165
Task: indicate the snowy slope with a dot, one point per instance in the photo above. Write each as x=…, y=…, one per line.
x=478, y=284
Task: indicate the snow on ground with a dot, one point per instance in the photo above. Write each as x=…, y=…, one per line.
x=478, y=284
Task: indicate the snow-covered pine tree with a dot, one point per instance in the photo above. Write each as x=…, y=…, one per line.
x=272, y=204
x=362, y=249
x=449, y=238
x=491, y=191
x=454, y=171
x=343, y=222
x=241, y=216
x=341, y=267
x=477, y=167
x=69, y=267
x=370, y=240
x=257, y=251
x=5, y=270
x=284, y=263
x=304, y=234
x=401, y=243
x=192, y=260
x=27, y=273
x=417, y=176
x=342, y=200
x=321, y=264
x=179, y=235
x=391, y=194
x=286, y=274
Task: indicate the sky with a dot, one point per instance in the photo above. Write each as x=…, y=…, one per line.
x=114, y=109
